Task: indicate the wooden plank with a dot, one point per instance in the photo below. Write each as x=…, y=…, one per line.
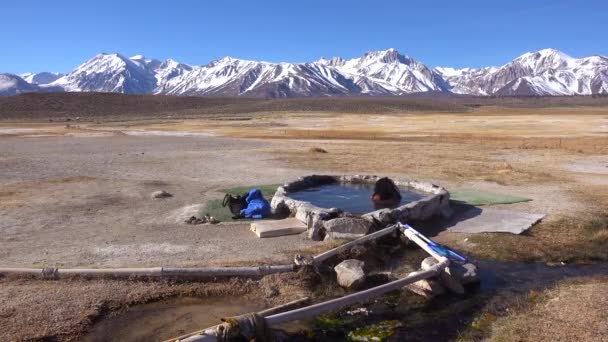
x=273, y=228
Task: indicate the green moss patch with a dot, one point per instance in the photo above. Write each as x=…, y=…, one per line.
x=214, y=207
x=477, y=197
x=376, y=332
x=328, y=324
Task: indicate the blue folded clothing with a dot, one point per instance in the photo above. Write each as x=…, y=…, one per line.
x=257, y=206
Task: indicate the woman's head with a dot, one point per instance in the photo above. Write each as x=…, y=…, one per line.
x=386, y=189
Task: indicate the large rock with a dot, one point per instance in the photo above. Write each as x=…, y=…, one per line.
x=464, y=274
x=304, y=211
x=314, y=225
x=347, y=228
x=350, y=273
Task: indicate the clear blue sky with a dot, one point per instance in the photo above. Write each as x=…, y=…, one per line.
x=57, y=35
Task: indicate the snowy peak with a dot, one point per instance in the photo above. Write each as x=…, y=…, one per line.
x=543, y=60
x=389, y=71
x=41, y=77
x=544, y=72
x=386, y=56
x=334, y=61
x=110, y=73
x=385, y=72
x=12, y=84
x=451, y=72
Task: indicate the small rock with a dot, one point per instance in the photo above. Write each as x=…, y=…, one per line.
x=160, y=194
x=427, y=288
x=347, y=228
x=465, y=274
x=428, y=263
x=196, y=220
x=358, y=311
x=350, y=273
x=210, y=219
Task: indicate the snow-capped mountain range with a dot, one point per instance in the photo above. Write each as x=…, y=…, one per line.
x=545, y=72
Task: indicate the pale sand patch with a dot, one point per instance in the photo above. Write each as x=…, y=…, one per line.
x=145, y=249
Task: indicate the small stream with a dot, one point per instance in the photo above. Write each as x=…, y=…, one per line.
x=439, y=319
x=169, y=318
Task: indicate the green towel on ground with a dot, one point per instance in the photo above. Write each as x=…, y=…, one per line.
x=478, y=197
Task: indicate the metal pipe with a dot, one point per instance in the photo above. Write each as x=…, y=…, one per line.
x=328, y=254
x=159, y=272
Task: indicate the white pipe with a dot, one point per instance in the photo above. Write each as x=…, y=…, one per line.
x=423, y=244
x=202, y=272
x=328, y=254
x=208, y=272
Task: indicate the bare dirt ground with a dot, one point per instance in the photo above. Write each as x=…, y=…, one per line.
x=79, y=195
x=84, y=201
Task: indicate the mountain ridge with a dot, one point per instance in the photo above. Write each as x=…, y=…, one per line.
x=547, y=72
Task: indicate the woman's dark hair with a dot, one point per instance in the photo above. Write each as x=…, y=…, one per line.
x=386, y=189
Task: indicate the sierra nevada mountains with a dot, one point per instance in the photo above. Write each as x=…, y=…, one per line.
x=380, y=73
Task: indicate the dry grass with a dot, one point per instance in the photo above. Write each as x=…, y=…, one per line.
x=453, y=162
x=566, y=239
x=572, y=311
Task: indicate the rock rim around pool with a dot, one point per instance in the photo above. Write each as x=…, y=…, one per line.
x=436, y=201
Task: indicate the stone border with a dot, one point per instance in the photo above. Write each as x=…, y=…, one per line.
x=437, y=203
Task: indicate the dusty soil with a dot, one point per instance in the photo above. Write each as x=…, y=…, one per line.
x=86, y=201
x=79, y=195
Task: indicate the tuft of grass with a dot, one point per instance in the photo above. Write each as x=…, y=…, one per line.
x=568, y=239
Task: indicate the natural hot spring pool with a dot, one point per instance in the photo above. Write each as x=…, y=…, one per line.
x=353, y=198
